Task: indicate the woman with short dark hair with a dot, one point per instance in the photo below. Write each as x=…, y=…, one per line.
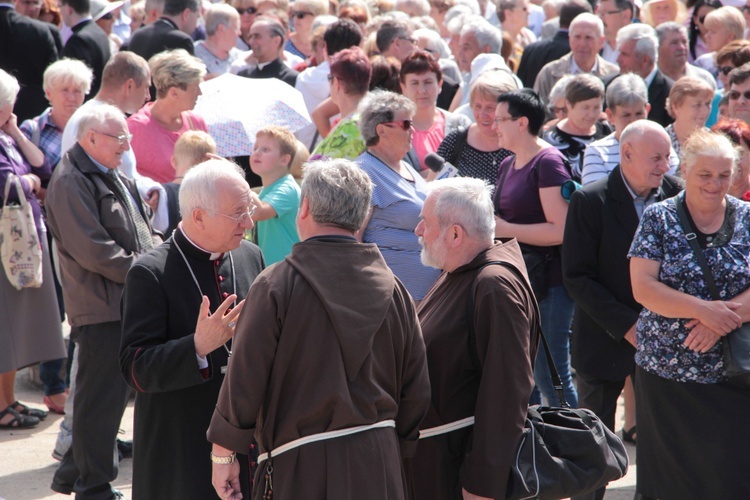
x=529, y=207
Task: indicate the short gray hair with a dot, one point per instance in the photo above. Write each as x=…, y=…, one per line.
x=199, y=187
x=703, y=142
x=646, y=43
x=380, y=106
x=9, y=88
x=485, y=33
x=467, y=202
x=220, y=14
x=559, y=89
x=590, y=19
x=627, y=90
x=175, y=68
x=338, y=192
x=668, y=27
x=68, y=71
x=99, y=116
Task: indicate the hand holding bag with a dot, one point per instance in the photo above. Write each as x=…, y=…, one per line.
x=563, y=452
x=20, y=248
x=736, y=344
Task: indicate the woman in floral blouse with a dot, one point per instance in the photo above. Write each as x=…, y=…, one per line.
x=692, y=430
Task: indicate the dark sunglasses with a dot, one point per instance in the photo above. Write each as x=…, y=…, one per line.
x=300, y=14
x=405, y=124
x=725, y=70
x=109, y=16
x=249, y=10
x=735, y=94
x=701, y=19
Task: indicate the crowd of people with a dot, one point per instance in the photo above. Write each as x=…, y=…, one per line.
x=304, y=307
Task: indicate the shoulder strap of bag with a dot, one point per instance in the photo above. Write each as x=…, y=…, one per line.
x=14, y=180
x=461, y=138
x=692, y=238
x=556, y=381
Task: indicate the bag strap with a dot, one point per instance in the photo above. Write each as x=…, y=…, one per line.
x=461, y=138
x=556, y=381
x=15, y=180
x=692, y=238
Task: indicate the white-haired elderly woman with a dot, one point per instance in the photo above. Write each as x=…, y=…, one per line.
x=30, y=325
x=474, y=150
x=627, y=101
x=689, y=103
x=157, y=126
x=302, y=15
x=385, y=123
x=557, y=109
x=66, y=84
x=218, y=51
x=692, y=424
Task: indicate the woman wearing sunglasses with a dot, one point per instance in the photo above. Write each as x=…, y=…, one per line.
x=248, y=12
x=302, y=16
x=697, y=31
x=399, y=191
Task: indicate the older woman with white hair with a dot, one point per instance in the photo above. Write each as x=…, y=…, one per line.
x=157, y=126
x=30, y=325
x=218, y=51
x=690, y=418
x=66, y=84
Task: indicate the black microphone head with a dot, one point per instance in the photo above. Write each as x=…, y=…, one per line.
x=434, y=162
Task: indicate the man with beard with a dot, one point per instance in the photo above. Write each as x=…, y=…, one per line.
x=487, y=375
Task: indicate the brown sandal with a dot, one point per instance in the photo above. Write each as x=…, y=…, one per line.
x=19, y=421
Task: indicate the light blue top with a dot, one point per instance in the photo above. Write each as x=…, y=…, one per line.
x=396, y=204
x=277, y=235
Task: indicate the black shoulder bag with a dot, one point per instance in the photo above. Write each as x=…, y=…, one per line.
x=736, y=344
x=563, y=451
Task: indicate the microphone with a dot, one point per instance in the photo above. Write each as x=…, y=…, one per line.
x=437, y=163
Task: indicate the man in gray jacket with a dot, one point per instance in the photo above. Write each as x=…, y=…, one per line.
x=100, y=227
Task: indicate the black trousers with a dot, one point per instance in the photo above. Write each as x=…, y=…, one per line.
x=101, y=396
x=599, y=396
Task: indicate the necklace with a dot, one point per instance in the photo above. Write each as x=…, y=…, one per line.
x=200, y=291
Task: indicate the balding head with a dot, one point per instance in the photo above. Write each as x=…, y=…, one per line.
x=644, y=155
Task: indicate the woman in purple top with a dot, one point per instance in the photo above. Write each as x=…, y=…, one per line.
x=30, y=326
x=529, y=206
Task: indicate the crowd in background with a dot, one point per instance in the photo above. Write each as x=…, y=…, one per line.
x=546, y=101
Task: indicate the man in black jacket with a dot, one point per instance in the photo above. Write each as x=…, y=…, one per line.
x=27, y=65
x=536, y=55
x=171, y=31
x=89, y=43
x=602, y=219
x=267, y=41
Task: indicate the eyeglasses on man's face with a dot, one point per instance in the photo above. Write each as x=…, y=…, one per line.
x=243, y=217
x=122, y=138
x=736, y=94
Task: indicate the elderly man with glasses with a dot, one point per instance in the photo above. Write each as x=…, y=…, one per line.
x=100, y=226
x=180, y=305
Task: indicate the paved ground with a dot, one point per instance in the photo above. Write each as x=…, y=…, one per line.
x=27, y=467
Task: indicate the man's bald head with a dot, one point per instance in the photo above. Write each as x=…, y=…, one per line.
x=645, y=148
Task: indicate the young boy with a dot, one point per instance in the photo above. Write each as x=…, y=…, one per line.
x=192, y=148
x=275, y=148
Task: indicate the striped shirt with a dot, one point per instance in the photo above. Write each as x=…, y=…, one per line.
x=602, y=156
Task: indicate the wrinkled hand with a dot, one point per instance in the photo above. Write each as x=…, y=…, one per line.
x=153, y=199
x=226, y=480
x=213, y=330
x=41, y=195
x=700, y=339
x=719, y=316
x=470, y=496
x=11, y=126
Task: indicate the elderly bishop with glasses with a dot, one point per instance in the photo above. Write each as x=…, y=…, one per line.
x=180, y=305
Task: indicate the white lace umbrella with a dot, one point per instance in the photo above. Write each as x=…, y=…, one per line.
x=235, y=108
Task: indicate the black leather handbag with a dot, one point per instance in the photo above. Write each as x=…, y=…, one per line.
x=736, y=344
x=563, y=452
